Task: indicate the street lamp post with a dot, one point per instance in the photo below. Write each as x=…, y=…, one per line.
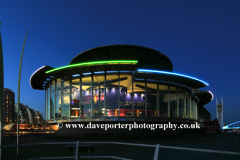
x=19, y=78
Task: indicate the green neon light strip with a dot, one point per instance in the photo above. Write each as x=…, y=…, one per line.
x=92, y=63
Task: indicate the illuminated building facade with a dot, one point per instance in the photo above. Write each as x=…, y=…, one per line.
x=119, y=83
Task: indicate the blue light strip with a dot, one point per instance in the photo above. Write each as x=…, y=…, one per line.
x=171, y=73
x=112, y=71
x=87, y=73
x=75, y=75
x=233, y=123
x=99, y=72
x=226, y=127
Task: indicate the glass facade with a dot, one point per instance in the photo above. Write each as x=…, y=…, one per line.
x=125, y=102
x=139, y=99
x=112, y=93
x=98, y=96
x=116, y=95
x=65, y=109
x=58, y=98
x=75, y=98
x=86, y=107
x=163, y=100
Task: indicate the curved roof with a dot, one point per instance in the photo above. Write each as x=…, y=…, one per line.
x=117, y=58
x=39, y=76
x=146, y=57
x=205, y=97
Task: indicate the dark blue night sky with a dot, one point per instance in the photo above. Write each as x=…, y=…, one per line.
x=201, y=38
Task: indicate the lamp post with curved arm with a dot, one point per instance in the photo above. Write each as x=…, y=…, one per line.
x=19, y=78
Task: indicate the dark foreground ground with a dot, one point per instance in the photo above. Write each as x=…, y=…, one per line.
x=225, y=142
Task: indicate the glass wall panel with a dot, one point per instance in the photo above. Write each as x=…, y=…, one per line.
x=75, y=110
x=86, y=96
x=58, y=99
x=163, y=100
x=52, y=103
x=173, y=101
x=151, y=100
x=181, y=102
x=48, y=106
x=112, y=95
x=125, y=95
x=98, y=96
x=65, y=98
x=196, y=109
x=193, y=106
x=139, y=99
x=187, y=104
x=118, y=97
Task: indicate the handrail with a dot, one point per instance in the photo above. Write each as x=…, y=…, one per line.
x=157, y=146
x=200, y=150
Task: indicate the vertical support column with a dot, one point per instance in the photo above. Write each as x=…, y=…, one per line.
x=50, y=109
x=157, y=100
x=77, y=151
x=156, y=152
x=193, y=115
x=55, y=99
x=146, y=101
x=99, y=100
x=184, y=105
x=190, y=106
x=46, y=103
x=70, y=97
x=92, y=95
x=196, y=111
x=177, y=109
x=132, y=94
x=105, y=100
x=168, y=101
x=80, y=98
x=118, y=94
x=62, y=95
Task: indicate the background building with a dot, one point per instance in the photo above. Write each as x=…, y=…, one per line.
x=8, y=106
x=28, y=115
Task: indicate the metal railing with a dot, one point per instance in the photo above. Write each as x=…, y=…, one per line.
x=157, y=146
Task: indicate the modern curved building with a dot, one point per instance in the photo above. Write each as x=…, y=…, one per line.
x=28, y=115
x=120, y=83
